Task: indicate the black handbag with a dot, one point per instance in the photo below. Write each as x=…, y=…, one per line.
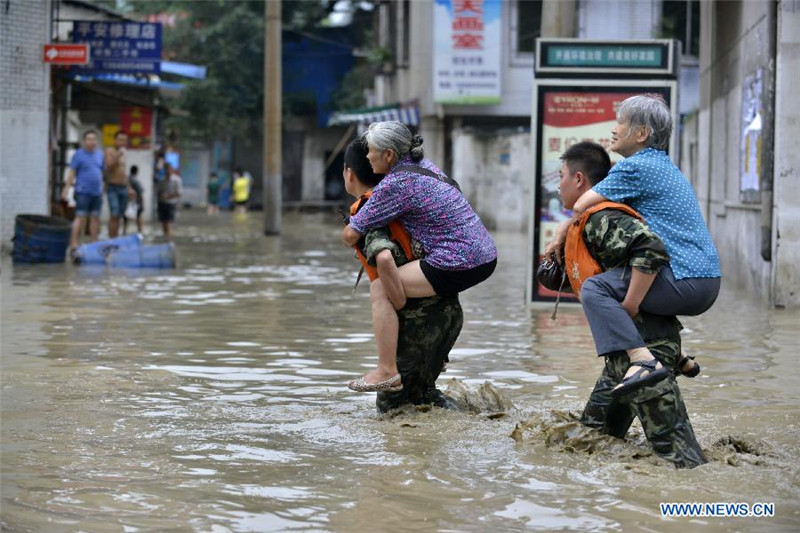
x=552, y=275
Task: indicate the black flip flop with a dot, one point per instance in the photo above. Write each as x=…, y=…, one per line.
x=636, y=381
x=689, y=373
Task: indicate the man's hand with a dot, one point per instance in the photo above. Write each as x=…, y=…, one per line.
x=555, y=247
x=390, y=277
x=630, y=308
x=350, y=236
x=637, y=290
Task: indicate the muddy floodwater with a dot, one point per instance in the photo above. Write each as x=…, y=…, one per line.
x=211, y=398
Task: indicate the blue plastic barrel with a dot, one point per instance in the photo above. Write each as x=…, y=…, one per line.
x=40, y=239
x=148, y=256
x=95, y=253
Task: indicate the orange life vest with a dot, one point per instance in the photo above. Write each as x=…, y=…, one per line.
x=579, y=263
x=397, y=233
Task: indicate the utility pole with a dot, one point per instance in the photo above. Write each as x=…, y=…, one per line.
x=272, y=177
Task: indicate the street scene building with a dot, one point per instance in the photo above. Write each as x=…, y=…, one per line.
x=464, y=69
x=191, y=194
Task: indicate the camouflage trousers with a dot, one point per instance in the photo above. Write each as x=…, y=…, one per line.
x=659, y=408
x=429, y=328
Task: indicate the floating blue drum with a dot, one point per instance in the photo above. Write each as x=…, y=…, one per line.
x=40, y=239
x=148, y=256
x=95, y=253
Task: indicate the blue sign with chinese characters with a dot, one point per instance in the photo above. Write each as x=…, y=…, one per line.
x=120, y=47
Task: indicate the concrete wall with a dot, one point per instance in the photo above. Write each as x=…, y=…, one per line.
x=195, y=168
x=735, y=43
x=414, y=80
x=24, y=112
x=317, y=143
x=494, y=173
x=786, y=231
x=621, y=19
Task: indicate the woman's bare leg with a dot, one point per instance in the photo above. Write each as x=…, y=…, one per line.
x=385, y=323
x=386, y=326
x=415, y=284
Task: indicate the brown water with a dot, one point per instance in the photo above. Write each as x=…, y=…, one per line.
x=211, y=398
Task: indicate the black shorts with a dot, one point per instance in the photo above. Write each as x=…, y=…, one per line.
x=166, y=212
x=446, y=282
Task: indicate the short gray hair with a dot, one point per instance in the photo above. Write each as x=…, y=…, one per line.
x=650, y=111
x=393, y=135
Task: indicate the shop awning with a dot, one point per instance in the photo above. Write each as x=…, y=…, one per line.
x=407, y=113
x=150, y=82
x=187, y=70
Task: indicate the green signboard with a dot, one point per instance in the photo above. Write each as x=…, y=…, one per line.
x=580, y=57
x=606, y=56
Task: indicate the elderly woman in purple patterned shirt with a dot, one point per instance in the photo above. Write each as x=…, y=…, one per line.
x=458, y=250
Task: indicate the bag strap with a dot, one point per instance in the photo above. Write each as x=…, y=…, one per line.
x=416, y=169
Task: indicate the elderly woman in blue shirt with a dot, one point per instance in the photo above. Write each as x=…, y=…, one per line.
x=649, y=182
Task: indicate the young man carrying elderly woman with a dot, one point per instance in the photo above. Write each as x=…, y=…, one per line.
x=458, y=252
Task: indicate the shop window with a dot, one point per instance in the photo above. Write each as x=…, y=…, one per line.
x=526, y=26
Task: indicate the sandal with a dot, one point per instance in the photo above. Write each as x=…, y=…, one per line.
x=692, y=372
x=390, y=385
x=636, y=381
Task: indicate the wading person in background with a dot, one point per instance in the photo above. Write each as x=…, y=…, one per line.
x=607, y=238
x=86, y=175
x=136, y=195
x=428, y=327
x=212, y=194
x=116, y=182
x=169, y=194
x=649, y=182
x=241, y=190
x=459, y=252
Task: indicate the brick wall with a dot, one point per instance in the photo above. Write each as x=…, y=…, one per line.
x=24, y=102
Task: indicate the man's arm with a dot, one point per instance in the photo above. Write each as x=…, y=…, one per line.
x=618, y=239
x=637, y=290
x=111, y=157
x=68, y=183
x=350, y=236
x=390, y=277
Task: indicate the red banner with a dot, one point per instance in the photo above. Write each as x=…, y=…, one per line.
x=66, y=54
x=137, y=123
x=569, y=115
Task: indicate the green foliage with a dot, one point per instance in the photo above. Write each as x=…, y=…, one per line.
x=227, y=37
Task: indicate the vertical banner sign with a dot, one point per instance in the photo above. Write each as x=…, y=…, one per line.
x=120, y=47
x=467, y=45
x=137, y=122
x=568, y=115
x=752, y=111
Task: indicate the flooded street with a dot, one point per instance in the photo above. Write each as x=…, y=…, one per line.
x=212, y=398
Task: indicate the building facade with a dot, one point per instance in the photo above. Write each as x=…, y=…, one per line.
x=748, y=151
x=738, y=129
x=24, y=112
x=487, y=146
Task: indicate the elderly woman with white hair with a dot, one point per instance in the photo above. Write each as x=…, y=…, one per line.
x=648, y=181
x=458, y=250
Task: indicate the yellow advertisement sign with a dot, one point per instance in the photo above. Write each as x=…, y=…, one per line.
x=109, y=130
